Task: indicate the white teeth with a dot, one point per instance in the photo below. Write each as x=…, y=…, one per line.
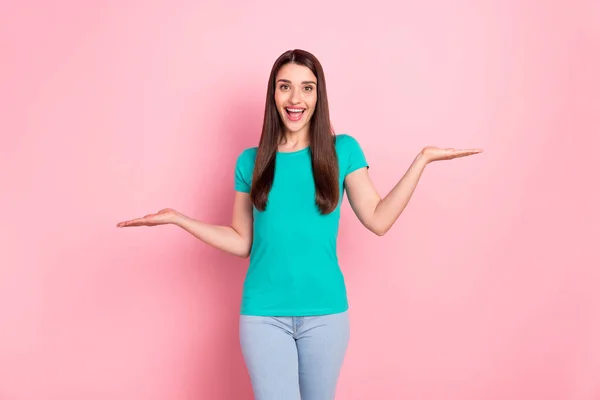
x=294, y=109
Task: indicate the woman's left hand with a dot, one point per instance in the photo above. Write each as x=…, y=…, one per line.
x=431, y=153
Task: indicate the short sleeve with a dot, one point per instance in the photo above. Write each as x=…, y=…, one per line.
x=356, y=156
x=243, y=172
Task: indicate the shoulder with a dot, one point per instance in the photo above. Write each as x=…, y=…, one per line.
x=345, y=143
x=245, y=159
x=250, y=152
x=247, y=155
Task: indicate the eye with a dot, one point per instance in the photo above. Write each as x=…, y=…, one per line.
x=283, y=86
x=309, y=88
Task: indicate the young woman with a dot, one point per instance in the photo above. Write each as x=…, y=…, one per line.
x=294, y=326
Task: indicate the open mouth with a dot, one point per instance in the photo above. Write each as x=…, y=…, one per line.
x=294, y=114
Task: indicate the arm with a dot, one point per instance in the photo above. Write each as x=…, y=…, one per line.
x=235, y=239
x=377, y=214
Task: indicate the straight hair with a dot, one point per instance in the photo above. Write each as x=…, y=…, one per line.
x=322, y=140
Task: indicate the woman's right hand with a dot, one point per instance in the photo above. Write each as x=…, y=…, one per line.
x=164, y=216
x=235, y=238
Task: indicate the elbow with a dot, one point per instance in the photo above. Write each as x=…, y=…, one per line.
x=376, y=224
x=380, y=226
x=379, y=230
x=243, y=254
x=243, y=248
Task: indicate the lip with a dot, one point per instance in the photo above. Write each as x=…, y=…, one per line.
x=289, y=115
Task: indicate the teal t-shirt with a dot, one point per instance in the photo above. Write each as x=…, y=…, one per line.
x=294, y=268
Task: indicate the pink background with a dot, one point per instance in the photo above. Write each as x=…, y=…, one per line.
x=486, y=288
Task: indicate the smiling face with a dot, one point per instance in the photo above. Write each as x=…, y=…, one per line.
x=295, y=97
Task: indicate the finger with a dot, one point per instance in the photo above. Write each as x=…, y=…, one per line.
x=134, y=222
x=467, y=152
x=460, y=155
x=123, y=223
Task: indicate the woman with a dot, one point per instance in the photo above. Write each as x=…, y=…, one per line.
x=294, y=326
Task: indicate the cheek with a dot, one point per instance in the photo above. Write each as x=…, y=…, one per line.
x=280, y=99
x=277, y=98
x=311, y=113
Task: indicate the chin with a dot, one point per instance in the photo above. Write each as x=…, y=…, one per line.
x=295, y=128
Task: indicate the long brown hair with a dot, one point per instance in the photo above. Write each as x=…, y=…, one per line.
x=322, y=140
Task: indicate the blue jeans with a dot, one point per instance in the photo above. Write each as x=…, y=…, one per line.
x=294, y=358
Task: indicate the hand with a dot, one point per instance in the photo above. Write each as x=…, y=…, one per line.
x=431, y=153
x=165, y=216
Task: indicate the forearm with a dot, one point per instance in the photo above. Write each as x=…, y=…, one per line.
x=391, y=206
x=220, y=237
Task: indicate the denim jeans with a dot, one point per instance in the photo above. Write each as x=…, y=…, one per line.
x=294, y=358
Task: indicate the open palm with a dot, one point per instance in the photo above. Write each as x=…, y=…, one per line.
x=431, y=153
x=162, y=217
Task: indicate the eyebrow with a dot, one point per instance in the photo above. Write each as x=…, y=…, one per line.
x=303, y=82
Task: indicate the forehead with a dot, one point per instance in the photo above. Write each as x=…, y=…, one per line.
x=295, y=73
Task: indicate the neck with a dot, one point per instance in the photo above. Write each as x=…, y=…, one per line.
x=294, y=140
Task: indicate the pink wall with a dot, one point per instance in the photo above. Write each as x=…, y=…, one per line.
x=486, y=288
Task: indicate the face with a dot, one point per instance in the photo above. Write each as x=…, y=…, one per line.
x=295, y=96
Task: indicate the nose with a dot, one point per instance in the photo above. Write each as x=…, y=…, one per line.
x=295, y=97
